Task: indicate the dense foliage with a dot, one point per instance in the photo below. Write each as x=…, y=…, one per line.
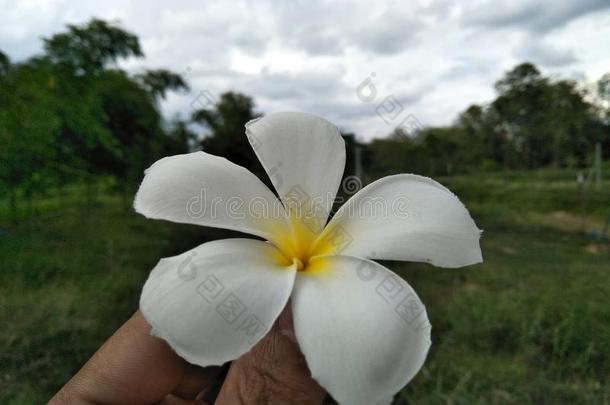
x=70, y=113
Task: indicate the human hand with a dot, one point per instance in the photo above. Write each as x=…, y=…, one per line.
x=135, y=368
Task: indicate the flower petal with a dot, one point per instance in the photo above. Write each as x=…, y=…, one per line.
x=203, y=189
x=404, y=217
x=304, y=156
x=363, y=330
x=214, y=302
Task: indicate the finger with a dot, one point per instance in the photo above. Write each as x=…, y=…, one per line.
x=174, y=400
x=131, y=367
x=274, y=371
x=195, y=380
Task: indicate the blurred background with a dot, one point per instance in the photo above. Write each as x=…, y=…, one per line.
x=506, y=103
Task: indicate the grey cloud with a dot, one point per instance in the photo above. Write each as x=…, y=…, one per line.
x=321, y=42
x=311, y=26
x=276, y=86
x=389, y=34
x=546, y=54
x=295, y=86
x=539, y=16
x=323, y=30
x=465, y=67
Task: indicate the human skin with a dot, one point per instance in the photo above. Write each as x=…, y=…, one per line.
x=133, y=367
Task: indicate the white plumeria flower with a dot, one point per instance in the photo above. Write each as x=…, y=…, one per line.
x=363, y=330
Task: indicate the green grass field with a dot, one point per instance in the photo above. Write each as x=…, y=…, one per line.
x=529, y=326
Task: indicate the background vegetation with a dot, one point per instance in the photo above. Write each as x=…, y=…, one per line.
x=530, y=325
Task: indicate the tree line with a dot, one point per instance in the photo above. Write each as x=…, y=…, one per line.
x=534, y=121
x=72, y=115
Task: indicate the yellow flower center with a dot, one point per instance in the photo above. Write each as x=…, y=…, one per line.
x=299, y=244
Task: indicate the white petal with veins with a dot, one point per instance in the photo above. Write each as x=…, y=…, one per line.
x=214, y=302
x=304, y=156
x=363, y=330
x=405, y=217
x=203, y=189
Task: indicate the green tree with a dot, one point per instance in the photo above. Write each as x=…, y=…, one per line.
x=547, y=121
x=83, y=134
x=131, y=115
x=447, y=150
x=178, y=140
x=89, y=48
x=603, y=94
x=67, y=116
x=603, y=87
x=80, y=57
x=570, y=120
x=225, y=130
x=5, y=64
x=521, y=104
x=397, y=153
x=28, y=127
x=488, y=141
x=158, y=82
x=115, y=127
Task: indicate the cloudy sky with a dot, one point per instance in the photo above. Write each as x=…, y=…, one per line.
x=367, y=66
